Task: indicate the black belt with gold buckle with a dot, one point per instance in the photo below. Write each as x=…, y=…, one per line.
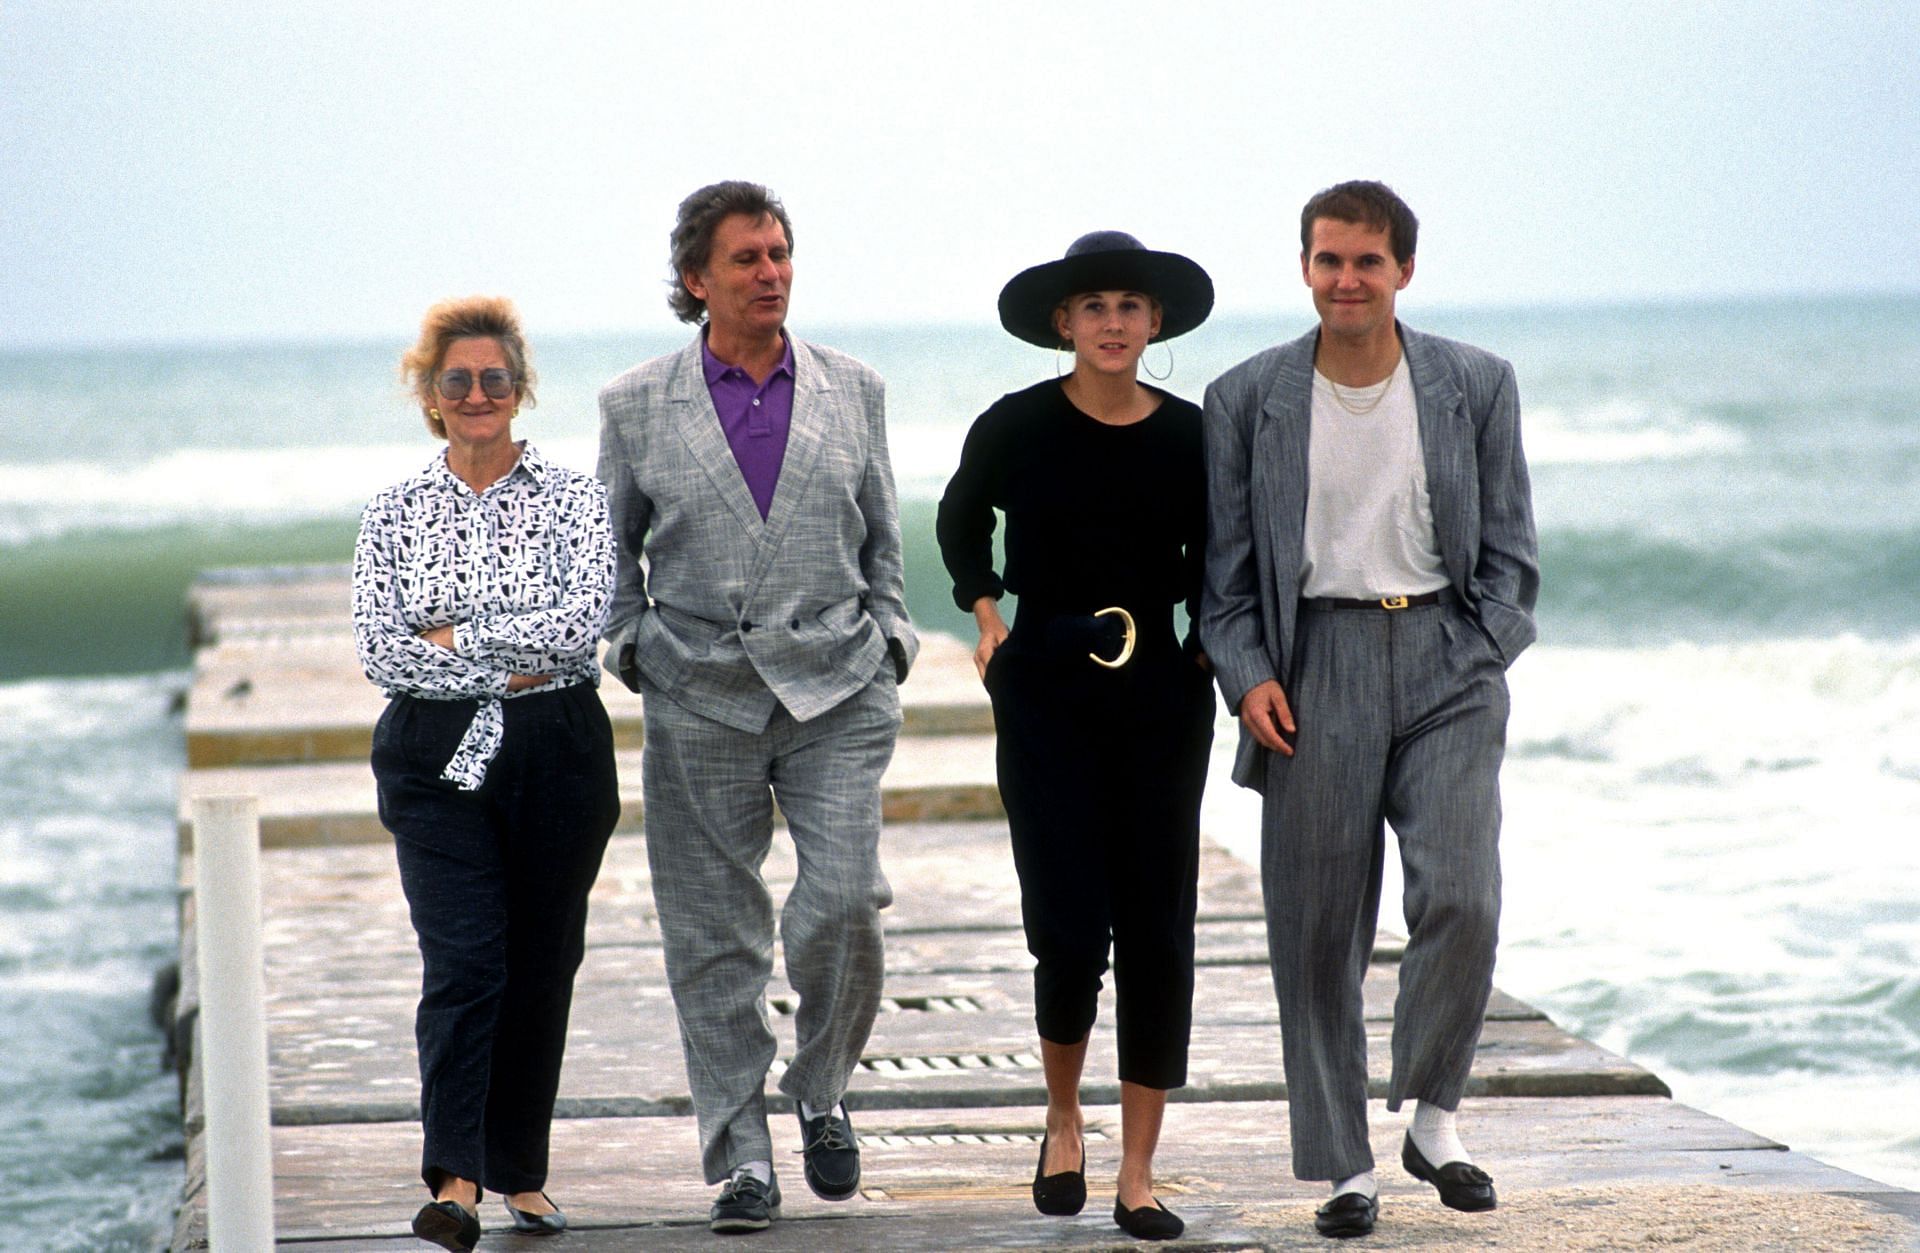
x=1383, y=602
x=1037, y=621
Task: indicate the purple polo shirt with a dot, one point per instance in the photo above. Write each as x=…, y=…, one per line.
x=755, y=418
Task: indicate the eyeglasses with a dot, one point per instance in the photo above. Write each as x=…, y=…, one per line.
x=496, y=383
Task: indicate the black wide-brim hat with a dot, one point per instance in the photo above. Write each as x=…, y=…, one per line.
x=1106, y=261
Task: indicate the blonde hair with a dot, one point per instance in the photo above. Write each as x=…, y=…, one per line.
x=465, y=317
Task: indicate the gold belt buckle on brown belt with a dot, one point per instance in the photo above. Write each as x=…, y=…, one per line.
x=1393, y=602
x=1126, y=649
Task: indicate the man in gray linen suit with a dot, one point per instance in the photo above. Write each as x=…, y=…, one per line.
x=759, y=609
x=1371, y=573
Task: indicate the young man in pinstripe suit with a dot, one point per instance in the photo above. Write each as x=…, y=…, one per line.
x=1371, y=573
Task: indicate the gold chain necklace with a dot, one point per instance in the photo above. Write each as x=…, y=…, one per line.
x=1359, y=411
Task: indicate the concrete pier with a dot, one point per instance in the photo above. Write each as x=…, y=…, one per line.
x=1588, y=1149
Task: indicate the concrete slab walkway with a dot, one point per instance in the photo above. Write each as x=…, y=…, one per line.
x=1587, y=1149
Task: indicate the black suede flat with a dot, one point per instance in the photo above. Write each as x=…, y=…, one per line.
x=1064, y=1193
x=1149, y=1222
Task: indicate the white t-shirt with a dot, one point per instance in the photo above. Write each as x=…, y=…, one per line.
x=1369, y=526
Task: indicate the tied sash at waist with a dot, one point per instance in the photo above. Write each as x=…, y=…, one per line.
x=467, y=768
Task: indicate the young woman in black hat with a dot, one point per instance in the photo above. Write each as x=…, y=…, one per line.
x=1104, y=715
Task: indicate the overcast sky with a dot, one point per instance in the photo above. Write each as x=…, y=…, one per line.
x=188, y=170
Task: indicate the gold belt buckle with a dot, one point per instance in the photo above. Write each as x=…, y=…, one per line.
x=1126, y=649
x=1393, y=602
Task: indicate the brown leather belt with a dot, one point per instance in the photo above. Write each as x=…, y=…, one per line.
x=1389, y=603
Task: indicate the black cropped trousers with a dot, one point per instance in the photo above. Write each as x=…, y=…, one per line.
x=1101, y=772
x=496, y=882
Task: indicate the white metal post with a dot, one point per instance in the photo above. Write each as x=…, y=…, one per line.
x=233, y=1023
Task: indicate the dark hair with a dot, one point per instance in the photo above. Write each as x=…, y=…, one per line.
x=465, y=317
x=1369, y=204
x=692, y=238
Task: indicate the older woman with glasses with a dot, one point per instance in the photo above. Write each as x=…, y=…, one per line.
x=1104, y=715
x=480, y=587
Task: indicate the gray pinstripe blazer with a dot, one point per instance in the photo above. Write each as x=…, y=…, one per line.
x=1257, y=420
x=727, y=614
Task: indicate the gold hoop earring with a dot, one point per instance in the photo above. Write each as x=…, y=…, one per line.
x=1056, y=360
x=1159, y=378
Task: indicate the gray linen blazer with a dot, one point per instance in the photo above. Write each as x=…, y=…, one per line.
x=720, y=611
x=1257, y=417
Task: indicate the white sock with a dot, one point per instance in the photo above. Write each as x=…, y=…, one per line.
x=1362, y=1183
x=761, y=1170
x=808, y=1111
x=1435, y=1135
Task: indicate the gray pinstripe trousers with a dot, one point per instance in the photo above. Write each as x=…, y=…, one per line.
x=1402, y=720
x=709, y=792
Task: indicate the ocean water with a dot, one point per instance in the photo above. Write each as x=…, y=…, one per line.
x=1713, y=780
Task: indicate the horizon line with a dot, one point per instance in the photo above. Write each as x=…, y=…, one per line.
x=216, y=342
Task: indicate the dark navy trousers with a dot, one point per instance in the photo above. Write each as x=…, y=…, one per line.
x=496, y=881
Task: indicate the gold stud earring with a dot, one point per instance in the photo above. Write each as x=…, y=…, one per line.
x=434, y=414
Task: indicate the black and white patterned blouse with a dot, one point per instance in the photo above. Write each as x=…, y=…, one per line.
x=524, y=571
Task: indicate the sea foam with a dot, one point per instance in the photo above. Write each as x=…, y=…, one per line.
x=1621, y=430
x=43, y=501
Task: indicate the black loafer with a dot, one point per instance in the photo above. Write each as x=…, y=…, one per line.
x=536, y=1224
x=1149, y=1222
x=1462, y=1185
x=744, y=1204
x=448, y=1224
x=1349, y=1214
x=832, y=1154
x=1061, y=1194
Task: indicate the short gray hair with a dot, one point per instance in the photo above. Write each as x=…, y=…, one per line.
x=692, y=238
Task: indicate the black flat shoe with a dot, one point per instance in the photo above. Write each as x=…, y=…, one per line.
x=448, y=1224
x=1349, y=1214
x=1462, y=1185
x=1064, y=1193
x=536, y=1224
x=1149, y=1222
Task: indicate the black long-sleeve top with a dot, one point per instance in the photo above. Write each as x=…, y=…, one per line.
x=1097, y=515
